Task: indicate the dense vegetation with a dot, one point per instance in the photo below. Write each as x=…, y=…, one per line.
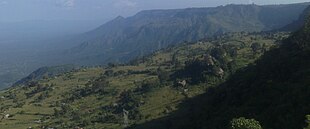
x=146, y=89
x=274, y=91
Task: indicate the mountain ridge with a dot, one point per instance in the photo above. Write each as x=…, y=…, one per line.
x=125, y=38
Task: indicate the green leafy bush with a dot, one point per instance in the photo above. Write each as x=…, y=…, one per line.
x=243, y=123
x=308, y=122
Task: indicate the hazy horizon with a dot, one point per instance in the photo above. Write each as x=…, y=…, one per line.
x=72, y=10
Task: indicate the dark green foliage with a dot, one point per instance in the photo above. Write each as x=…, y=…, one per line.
x=127, y=101
x=195, y=70
x=56, y=112
x=307, y=122
x=37, y=88
x=163, y=75
x=96, y=87
x=205, y=70
x=118, y=73
x=218, y=53
x=107, y=118
x=256, y=47
x=139, y=72
x=243, y=123
x=147, y=86
x=42, y=96
x=109, y=73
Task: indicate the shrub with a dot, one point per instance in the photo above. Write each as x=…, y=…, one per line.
x=308, y=122
x=243, y=123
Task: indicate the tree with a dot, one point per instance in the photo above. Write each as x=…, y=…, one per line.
x=56, y=112
x=109, y=73
x=243, y=123
x=256, y=47
x=163, y=75
x=219, y=53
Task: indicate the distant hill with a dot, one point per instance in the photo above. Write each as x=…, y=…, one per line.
x=125, y=38
x=45, y=72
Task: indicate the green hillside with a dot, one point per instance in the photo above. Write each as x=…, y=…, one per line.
x=144, y=90
x=272, y=92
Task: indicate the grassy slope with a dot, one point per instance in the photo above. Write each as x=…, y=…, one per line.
x=159, y=101
x=274, y=91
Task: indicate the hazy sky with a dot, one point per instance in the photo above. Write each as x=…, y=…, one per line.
x=21, y=10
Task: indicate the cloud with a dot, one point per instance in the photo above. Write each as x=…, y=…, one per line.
x=66, y=3
x=125, y=4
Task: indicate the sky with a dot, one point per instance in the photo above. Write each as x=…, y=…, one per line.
x=25, y=10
